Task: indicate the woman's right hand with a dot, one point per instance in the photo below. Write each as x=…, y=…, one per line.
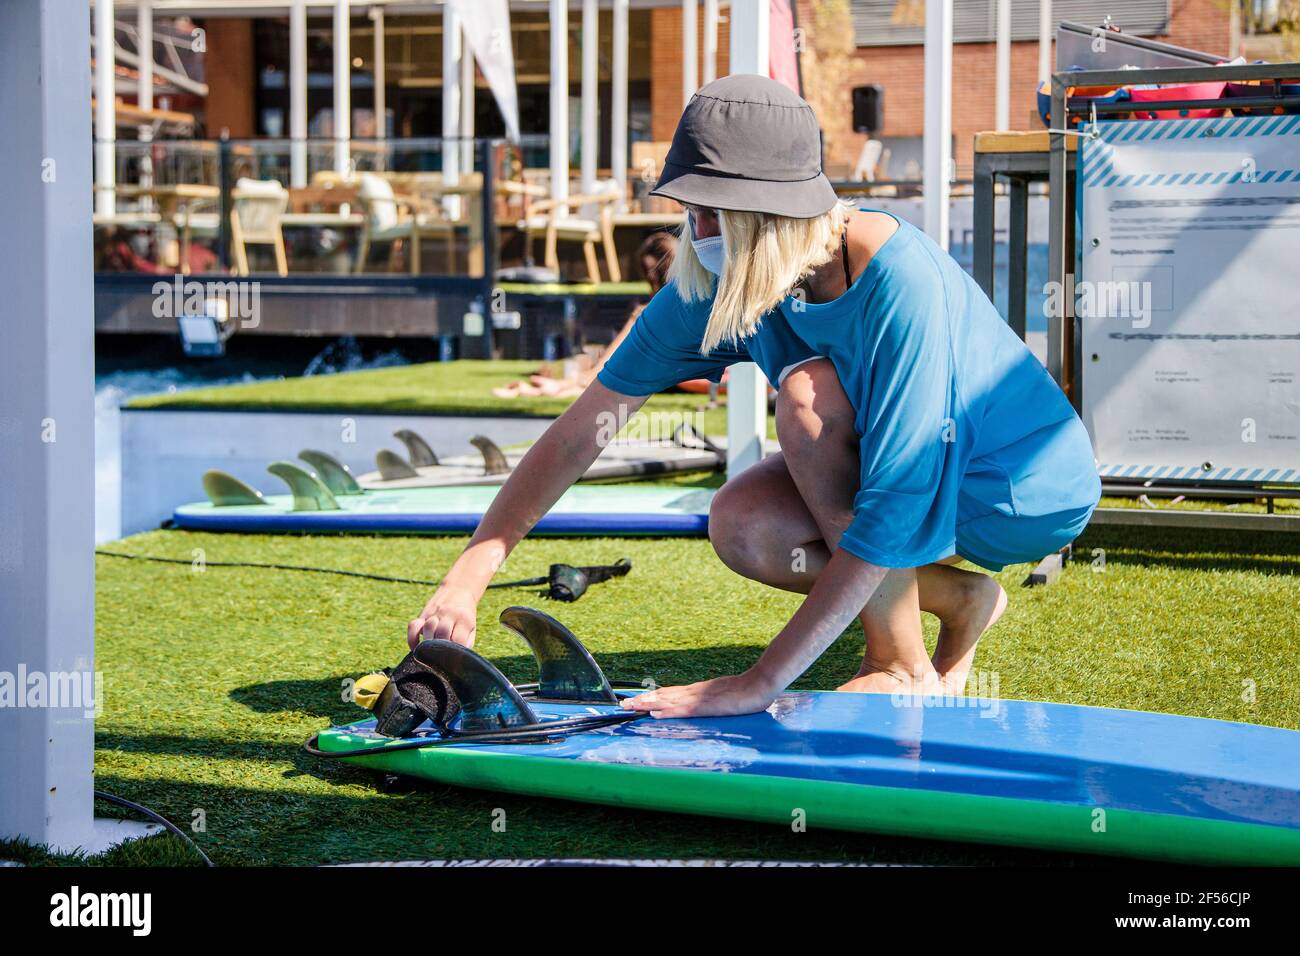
x=450, y=615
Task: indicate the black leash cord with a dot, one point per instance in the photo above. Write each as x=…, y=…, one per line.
x=526, y=582
x=544, y=733
x=155, y=817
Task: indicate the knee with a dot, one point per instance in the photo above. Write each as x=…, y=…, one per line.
x=812, y=409
x=735, y=529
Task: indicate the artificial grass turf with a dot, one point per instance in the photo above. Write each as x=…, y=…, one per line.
x=432, y=388
x=213, y=679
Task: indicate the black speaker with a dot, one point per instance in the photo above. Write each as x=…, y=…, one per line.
x=868, y=108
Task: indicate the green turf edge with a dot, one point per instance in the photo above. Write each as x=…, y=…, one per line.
x=842, y=806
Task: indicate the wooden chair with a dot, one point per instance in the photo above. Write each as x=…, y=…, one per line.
x=555, y=221
x=255, y=220
x=397, y=220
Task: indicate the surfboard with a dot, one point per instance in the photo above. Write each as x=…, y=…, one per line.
x=620, y=460
x=1017, y=773
x=623, y=509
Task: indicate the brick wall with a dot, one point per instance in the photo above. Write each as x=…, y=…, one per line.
x=1200, y=24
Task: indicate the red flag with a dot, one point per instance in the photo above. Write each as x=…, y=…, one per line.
x=782, y=56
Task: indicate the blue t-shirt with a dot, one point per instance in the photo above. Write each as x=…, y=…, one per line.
x=957, y=417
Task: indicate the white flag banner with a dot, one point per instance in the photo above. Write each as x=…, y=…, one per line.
x=487, y=30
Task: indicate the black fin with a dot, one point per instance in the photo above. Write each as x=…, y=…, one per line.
x=494, y=459
x=567, y=669
x=308, y=492
x=417, y=448
x=393, y=466
x=487, y=700
x=333, y=474
x=223, y=489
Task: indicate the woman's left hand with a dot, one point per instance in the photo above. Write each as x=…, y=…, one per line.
x=720, y=697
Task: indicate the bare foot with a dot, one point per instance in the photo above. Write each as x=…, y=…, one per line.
x=959, y=633
x=875, y=681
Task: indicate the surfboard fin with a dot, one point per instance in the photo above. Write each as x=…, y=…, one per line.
x=332, y=473
x=309, y=494
x=393, y=466
x=224, y=489
x=494, y=459
x=417, y=449
x=440, y=681
x=567, y=669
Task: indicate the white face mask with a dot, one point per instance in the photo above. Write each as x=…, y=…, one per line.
x=710, y=251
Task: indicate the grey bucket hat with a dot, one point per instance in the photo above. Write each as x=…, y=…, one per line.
x=750, y=144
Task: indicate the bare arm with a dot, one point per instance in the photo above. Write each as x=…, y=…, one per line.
x=841, y=591
x=557, y=460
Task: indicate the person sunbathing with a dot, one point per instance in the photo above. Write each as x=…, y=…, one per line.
x=655, y=258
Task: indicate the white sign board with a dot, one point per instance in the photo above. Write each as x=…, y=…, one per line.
x=1189, y=298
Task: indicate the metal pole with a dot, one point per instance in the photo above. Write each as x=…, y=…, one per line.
x=1003, y=96
x=746, y=389
x=1044, y=41
x=105, y=111
x=590, y=77
x=710, y=41
x=144, y=32
x=618, y=103
x=452, y=51
x=937, y=147
x=381, y=75
x=466, y=104
x=298, y=94
x=559, y=131
x=47, y=440
x=690, y=50
x=342, y=88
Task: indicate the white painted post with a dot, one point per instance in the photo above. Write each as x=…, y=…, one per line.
x=1045, y=41
x=690, y=50
x=746, y=391
x=453, y=48
x=466, y=104
x=381, y=74
x=559, y=131
x=342, y=88
x=298, y=94
x=710, y=41
x=144, y=35
x=47, y=439
x=937, y=145
x=105, y=111
x=590, y=77
x=1003, y=82
x=618, y=103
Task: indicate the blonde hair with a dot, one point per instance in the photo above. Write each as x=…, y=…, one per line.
x=772, y=255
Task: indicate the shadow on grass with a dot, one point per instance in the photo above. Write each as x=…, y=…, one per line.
x=251, y=826
x=1187, y=549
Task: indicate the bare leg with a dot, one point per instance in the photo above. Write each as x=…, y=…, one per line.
x=763, y=528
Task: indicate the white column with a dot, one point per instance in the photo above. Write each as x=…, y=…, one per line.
x=105, y=110
x=559, y=131
x=298, y=94
x=1003, y=67
x=452, y=50
x=746, y=391
x=342, y=87
x=466, y=104
x=710, y=41
x=690, y=50
x=1044, y=41
x=937, y=146
x=590, y=79
x=618, y=102
x=144, y=32
x=47, y=439
x=381, y=75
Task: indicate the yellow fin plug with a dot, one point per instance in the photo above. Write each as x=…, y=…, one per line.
x=366, y=691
